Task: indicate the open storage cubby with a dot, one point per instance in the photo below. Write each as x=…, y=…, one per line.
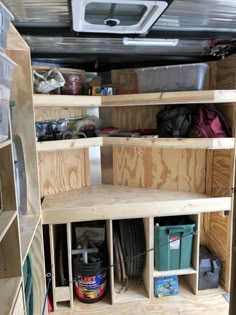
x=131, y=263
x=191, y=273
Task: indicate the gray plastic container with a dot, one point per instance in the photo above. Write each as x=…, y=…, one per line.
x=188, y=77
x=6, y=69
x=5, y=18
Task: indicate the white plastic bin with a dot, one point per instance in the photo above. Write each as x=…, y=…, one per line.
x=188, y=77
x=5, y=18
x=6, y=70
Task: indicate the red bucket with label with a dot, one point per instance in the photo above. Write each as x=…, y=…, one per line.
x=90, y=280
x=74, y=81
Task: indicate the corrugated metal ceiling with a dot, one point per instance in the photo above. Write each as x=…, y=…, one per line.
x=183, y=14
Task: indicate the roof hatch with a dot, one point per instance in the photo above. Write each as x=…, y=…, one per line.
x=117, y=16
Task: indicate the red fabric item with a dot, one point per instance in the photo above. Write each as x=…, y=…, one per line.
x=49, y=304
x=207, y=124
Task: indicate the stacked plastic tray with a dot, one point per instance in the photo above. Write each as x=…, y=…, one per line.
x=6, y=70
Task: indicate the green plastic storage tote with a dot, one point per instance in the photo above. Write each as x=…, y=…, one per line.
x=173, y=246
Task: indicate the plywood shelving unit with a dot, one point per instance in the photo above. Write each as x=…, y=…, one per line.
x=141, y=178
x=20, y=234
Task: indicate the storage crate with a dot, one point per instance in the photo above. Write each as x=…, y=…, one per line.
x=173, y=246
x=5, y=18
x=188, y=77
x=6, y=69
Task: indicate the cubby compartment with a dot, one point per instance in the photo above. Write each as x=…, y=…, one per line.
x=131, y=259
x=60, y=268
x=173, y=235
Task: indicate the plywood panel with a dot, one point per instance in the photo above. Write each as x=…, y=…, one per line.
x=38, y=270
x=226, y=73
x=207, y=302
x=125, y=79
x=156, y=168
x=10, y=260
x=63, y=171
x=222, y=173
x=7, y=179
x=19, y=306
x=46, y=113
x=220, y=244
x=135, y=117
x=23, y=115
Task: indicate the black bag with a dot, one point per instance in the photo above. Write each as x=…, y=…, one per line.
x=173, y=122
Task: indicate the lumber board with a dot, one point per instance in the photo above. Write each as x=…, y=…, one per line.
x=222, y=173
x=51, y=112
x=148, y=268
x=38, y=270
x=177, y=143
x=70, y=274
x=63, y=171
x=6, y=219
x=86, y=204
x=73, y=144
x=9, y=288
x=7, y=179
x=109, y=237
x=19, y=305
x=164, y=98
x=23, y=114
x=156, y=168
x=170, y=98
x=64, y=101
x=206, y=302
x=10, y=260
x=28, y=227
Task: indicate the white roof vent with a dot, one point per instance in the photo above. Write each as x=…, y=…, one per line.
x=116, y=16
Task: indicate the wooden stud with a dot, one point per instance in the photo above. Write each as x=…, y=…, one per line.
x=70, y=273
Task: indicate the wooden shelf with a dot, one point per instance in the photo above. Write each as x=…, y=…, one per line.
x=179, y=272
x=28, y=226
x=134, y=292
x=74, y=144
x=120, y=202
x=6, y=219
x=198, y=143
x=41, y=100
x=165, y=98
x=185, y=303
x=9, y=288
x=5, y=144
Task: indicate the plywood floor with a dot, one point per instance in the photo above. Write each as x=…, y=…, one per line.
x=207, y=302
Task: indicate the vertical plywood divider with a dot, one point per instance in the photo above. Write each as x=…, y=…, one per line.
x=109, y=236
x=53, y=269
x=10, y=257
x=63, y=171
x=7, y=179
x=69, y=248
x=23, y=113
x=38, y=269
x=149, y=264
x=192, y=279
x=216, y=227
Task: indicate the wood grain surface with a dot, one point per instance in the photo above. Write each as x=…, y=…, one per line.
x=51, y=112
x=63, y=171
x=156, y=168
